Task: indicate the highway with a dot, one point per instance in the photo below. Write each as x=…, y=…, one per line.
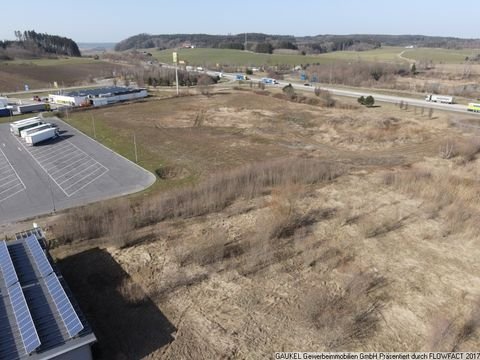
x=457, y=108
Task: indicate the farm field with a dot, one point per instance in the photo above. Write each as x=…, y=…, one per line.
x=443, y=56
x=272, y=214
x=43, y=72
x=211, y=57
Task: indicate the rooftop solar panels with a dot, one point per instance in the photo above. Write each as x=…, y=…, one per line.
x=23, y=317
x=64, y=306
x=39, y=256
x=6, y=265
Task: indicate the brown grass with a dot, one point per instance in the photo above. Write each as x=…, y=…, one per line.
x=352, y=315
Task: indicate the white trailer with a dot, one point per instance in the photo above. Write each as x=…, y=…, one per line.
x=439, y=98
x=40, y=136
x=34, y=129
x=28, y=124
x=28, y=108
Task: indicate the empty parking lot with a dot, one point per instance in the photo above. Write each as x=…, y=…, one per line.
x=10, y=183
x=69, y=171
x=69, y=167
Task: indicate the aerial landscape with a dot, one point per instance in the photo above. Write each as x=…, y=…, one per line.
x=239, y=181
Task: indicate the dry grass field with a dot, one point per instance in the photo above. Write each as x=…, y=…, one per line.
x=42, y=73
x=302, y=227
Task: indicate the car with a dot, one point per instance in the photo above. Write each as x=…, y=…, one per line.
x=307, y=84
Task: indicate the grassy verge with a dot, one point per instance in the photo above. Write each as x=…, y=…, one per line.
x=122, y=142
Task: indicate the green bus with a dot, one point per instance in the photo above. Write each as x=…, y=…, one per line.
x=473, y=107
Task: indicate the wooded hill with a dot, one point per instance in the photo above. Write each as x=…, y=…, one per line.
x=30, y=44
x=308, y=44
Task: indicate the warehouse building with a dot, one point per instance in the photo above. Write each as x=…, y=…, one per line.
x=98, y=97
x=39, y=318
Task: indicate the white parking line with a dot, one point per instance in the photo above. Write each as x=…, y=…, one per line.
x=71, y=177
x=104, y=168
x=21, y=184
x=73, y=165
x=73, y=157
x=48, y=154
x=60, y=156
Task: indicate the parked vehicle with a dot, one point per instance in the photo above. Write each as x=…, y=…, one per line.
x=28, y=108
x=18, y=126
x=5, y=111
x=439, y=98
x=42, y=135
x=34, y=129
x=475, y=107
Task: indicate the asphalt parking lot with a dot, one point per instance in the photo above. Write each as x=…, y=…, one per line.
x=69, y=171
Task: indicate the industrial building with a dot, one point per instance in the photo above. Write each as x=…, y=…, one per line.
x=98, y=97
x=39, y=318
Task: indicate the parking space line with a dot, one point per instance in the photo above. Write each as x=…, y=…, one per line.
x=47, y=149
x=48, y=154
x=10, y=187
x=60, y=158
x=14, y=172
x=8, y=182
x=71, y=177
x=74, y=156
x=104, y=168
x=6, y=177
x=74, y=164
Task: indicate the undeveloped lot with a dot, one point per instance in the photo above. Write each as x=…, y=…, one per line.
x=13, y=77
x=307, y=228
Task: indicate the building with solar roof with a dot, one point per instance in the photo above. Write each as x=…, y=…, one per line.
x=98, y=96
x=39, y=318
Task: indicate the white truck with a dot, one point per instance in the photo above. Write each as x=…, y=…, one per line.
x=28, y=108
x=41, y=135
x=17, y=126
x=439, y=98
x=35, y=129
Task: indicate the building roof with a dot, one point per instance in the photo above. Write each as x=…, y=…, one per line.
x=106, y=91
x=43, y=310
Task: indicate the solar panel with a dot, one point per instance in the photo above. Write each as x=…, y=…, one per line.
x=6, y=265
x=39, y=256
x=64, y=306
x=24, y=319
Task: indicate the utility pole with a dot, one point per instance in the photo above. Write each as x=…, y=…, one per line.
x=175, y=61
x=93, y=125
x=245, y=42
x=135, y=146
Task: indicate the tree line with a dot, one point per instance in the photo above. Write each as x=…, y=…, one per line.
x=37, y=44
x=306, y=44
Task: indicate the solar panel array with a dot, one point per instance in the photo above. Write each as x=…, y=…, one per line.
x=64, y=306
x=6, y=265
x=43, y=265
x=60, y=298
x=24, y=319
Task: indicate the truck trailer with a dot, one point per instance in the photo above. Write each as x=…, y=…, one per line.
x=439, y=98
x=5, y=112
x=16, y=128
x=35, y=129
x=42, y=135
x=29, y=108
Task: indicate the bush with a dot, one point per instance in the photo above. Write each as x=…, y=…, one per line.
x=368, y=101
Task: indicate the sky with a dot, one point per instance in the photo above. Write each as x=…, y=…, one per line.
x=115, y=20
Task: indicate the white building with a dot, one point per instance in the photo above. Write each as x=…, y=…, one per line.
x=98, y=97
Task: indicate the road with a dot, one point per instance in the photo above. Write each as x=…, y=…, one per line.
x=457, y=108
